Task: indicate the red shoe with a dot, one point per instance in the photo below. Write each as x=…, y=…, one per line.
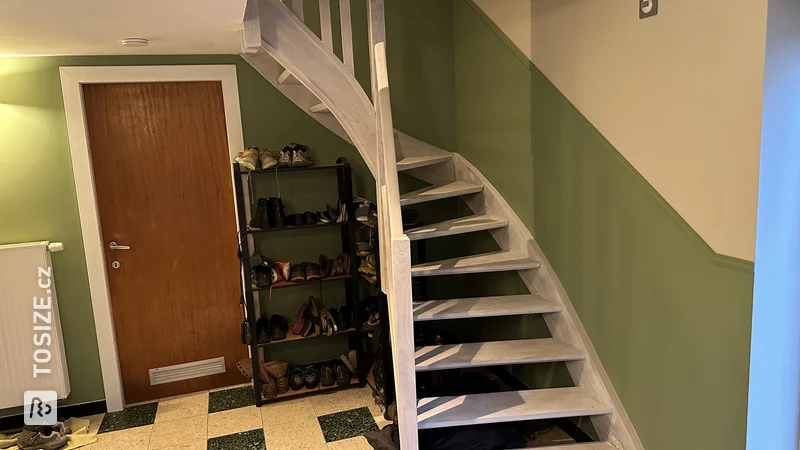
x=300, y=322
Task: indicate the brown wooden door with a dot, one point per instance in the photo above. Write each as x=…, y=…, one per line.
x=162, y=174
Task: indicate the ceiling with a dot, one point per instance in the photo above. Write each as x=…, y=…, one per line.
x=95, y=27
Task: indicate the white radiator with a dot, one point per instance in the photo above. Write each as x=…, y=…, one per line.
x=31, y=346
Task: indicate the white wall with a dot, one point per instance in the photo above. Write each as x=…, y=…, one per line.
x=679, y=95
x=774, y=399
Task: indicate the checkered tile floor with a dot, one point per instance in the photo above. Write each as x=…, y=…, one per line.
x=228, y=419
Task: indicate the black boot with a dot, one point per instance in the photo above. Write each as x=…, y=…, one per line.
x=277, y=216
x=260, y=218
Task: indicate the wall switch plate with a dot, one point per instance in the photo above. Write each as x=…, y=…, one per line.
x=647, y=8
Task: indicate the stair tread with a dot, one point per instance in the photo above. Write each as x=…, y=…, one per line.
x=513, y=406
x=320, y=108
x=486, y=262
x=413, y=162
x=456, y=226
x=495, y=353
x=436, y=192
x=503, y=305
x=581, y=446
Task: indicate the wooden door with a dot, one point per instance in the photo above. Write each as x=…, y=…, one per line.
x=162, y=175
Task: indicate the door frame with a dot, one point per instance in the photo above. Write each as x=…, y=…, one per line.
x=71, y=80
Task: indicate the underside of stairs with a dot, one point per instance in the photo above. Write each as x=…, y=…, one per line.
x=305, y=69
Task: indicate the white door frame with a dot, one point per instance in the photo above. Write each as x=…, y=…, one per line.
x=71, y=80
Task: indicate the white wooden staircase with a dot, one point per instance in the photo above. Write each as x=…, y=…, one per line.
x=305, y=69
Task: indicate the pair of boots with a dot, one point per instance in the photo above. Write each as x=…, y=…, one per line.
x=43, y=437
x=269, y=214
x=273, y=376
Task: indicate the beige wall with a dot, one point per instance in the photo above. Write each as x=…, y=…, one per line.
x=678, y=95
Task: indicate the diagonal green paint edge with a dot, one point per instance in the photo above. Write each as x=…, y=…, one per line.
x=726, y=261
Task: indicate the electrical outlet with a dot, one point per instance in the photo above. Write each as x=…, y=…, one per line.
x=647, y=8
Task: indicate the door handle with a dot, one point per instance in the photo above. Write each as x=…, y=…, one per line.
x=113, y=246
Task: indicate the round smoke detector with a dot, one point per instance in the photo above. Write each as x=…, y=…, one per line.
x=134, y=42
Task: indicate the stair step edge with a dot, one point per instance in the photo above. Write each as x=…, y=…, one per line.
x=452, y=227
x=494, y=353
x=439, y=191
x=464, y=308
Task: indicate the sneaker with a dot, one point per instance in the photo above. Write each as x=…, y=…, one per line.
x=267, y=159
x=41, y=438
x=280, y=272
x=285, y=157
x=300, y=156
x=311, y=377
x=297, y=378
x=247, y=159
x=327, y=375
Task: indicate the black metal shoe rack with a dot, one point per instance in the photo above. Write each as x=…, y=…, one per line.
x=348, y=236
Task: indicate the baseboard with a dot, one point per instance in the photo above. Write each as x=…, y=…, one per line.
x=64, y=412
x=566, y=425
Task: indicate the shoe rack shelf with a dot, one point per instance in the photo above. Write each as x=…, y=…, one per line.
x=249, y=299
x=300, y=227
x=294, y=338
x=284, y=284
x=305, y=391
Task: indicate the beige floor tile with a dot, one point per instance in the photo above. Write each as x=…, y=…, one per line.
x=182, y=407
x=234, y=421
x=356, y=443
x=287, y=412
x=179, y=432
x=301, y=435
x=131, y=439
x=94, y=422
x=338, y=401
x=195, y=445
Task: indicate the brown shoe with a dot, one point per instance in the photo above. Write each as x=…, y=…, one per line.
x=277, y=370
x=269, y=389
x=245, y=366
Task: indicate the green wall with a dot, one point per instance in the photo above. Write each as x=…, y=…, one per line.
x=37, y=190
x=669, y=319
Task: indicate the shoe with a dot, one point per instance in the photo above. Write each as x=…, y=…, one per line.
x=247, y=159
x=364, y=249
x=299, y=323
x=364, y=267
x=294, y=220
x=328, y=323
x=285, y=157
x=269, y=389
x=342, y=372
x=372, y=323
x=297, y=378
x=343, y=317
x=245, y=367
x=260, y=219
x=277, y=370
x=41, y=438
x=311, y=377
x=266, y=159
x=327, y=216
x=310, y=218
x=327, y=376
x=324, y=266
x=262, y=330
x=300, y=156
x=280, y=272
x=298, y=273
x=312, y=271
x=278, y=327
x=313, y=324
x=276, y=212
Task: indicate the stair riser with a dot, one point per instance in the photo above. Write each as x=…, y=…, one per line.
x=436, y=367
